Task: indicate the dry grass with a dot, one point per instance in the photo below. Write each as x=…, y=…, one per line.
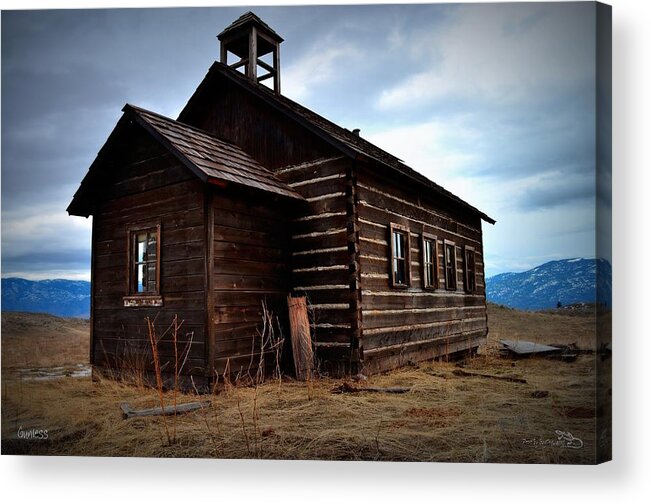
x=551, y=328
x=38, y=339
x=443, y=418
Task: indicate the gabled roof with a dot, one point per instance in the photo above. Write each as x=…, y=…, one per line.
x=249, y=18
x=341, y=138
x=214, y=158
x=211, y=159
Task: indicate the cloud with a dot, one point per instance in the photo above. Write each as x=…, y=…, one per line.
x=538, y=159
x=521, y=240
x=39, y=266
x=42, y=239
x=437, y=150
x=315, y=69
x=556, y=189
x=494, y=102
x=505, y=53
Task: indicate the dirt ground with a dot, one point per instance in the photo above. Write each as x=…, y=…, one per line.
x=445, y=416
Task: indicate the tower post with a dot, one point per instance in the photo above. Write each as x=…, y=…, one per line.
x=249, y=38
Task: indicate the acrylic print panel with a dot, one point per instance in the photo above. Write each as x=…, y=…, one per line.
x=392, y=243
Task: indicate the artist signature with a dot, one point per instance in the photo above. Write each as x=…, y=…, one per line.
x=32, y=434
x=563, y=440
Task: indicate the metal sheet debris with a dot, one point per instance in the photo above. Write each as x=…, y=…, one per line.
x=528, y=347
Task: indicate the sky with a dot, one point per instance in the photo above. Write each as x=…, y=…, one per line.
x=495, y=102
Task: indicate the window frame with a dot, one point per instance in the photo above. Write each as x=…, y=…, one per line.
x=466, y=271
x=426, y=237
x=133, y=297
x=448, y=286
x=397, y=228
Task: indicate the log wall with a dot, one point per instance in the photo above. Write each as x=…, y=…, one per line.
x=226, y=111
x=149, y=186
x=320, y=259
x=318, y=244
x=250, y=267
x=401, y=325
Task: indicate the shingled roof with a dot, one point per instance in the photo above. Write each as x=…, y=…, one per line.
x=246, y=18
x=214, y=158
x=339, y=137
x=210, y=158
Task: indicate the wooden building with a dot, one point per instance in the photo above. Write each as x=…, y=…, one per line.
x=247, y=197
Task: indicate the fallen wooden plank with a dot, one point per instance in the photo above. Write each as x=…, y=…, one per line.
x=528, y=347
x=515, y=379
x=347, y=388
x=128, y=412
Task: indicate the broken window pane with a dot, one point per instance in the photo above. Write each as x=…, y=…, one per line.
x=450, y=267
x=399, y=273
x=141, y=240
x=470, y=271
x=140, y=278
x=151, y=247
x=144, y=261
x=151, y=277
x=398, y=240
x=429, y=263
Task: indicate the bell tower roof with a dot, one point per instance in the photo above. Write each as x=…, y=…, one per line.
x=244, y=22
x=249, y=39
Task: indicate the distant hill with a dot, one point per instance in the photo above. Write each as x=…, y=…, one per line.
x=65, y=298
x=568, y=281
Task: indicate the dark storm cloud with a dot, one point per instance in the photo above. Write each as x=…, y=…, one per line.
x=66, y=75
x=557, y=190
x=44, y=262
x=38, y=90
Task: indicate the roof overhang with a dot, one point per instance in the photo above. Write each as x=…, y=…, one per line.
x=212, y=171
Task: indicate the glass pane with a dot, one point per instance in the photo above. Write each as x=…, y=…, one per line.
x=399, y=271
x=151, y=277
x=398, y=246
x=141, y=240
x=151, y=246
x=140, y=278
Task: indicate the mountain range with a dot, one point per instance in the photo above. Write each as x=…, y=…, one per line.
x=566, y=281
x=65, y=298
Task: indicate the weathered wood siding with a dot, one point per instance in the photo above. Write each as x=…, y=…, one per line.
x=320, y=255
x=225, y=110
x=149, y=185
x=412, y=324
x=318, y=240
x=250, y=267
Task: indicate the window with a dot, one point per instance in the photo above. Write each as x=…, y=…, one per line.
x=400, y=267
x=450, y=265
x=144, y=267
x=145, y=261
x=430, y=262
x=469, y=269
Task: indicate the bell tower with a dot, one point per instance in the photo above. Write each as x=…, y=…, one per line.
x=249, y=38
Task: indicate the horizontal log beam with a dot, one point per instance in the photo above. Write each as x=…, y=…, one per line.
x=266, y=76
x=238, y=64
x=266, y=66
